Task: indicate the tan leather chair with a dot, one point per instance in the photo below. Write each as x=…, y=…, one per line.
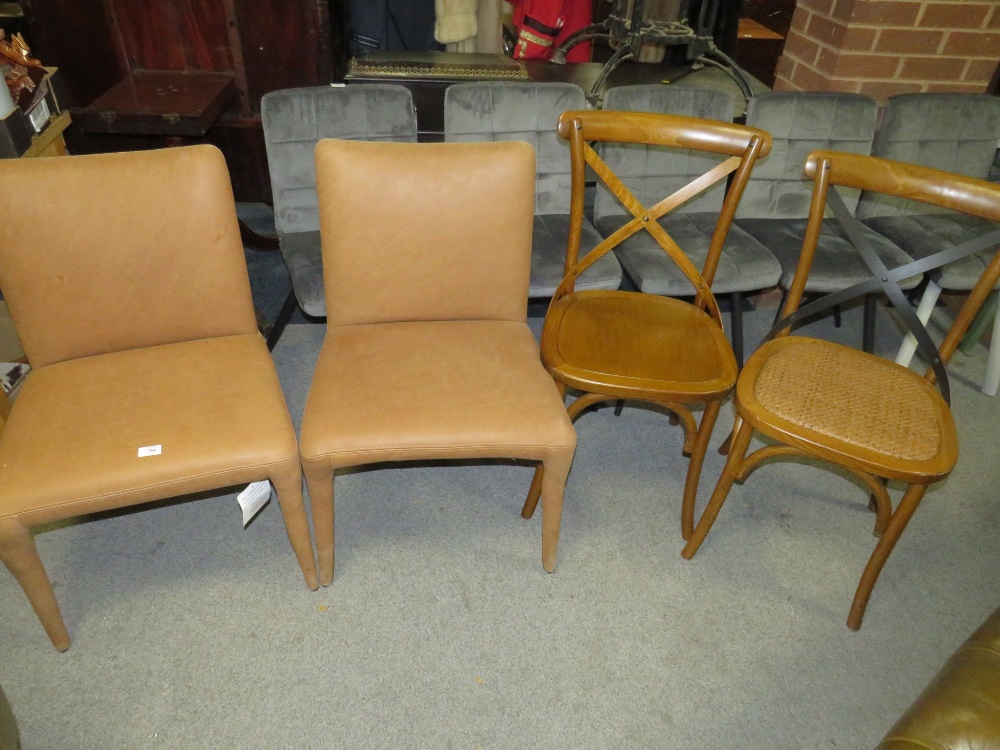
x=960, y=708
x=426, y=259
x=126, y=281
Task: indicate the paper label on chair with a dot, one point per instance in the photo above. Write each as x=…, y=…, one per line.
x=253, y=498
x=150, y=450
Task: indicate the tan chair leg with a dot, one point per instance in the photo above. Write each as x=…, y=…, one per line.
x=319, y=480
x=694, y=467
x=17, y=550
x=534, y=492
x=555, y=470
x=911, y=499
x=739, y=448
x=288, y=486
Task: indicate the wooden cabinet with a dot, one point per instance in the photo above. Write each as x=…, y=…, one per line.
x=151, y=73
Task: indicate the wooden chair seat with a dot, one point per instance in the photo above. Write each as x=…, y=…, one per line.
x=853, y=407
x=633, y=345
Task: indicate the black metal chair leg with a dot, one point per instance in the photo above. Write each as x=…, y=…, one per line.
x=868, y=331
x=736, y=318
x=836, y=316
x=281, y=321
x=619, y=404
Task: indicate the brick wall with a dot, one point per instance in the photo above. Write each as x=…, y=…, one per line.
x=885, y=47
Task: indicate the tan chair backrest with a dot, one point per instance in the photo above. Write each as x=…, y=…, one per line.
x=119, y=251
x=430, y=231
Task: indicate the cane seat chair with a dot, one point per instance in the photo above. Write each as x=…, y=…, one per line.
x=428, y=354
x=615, y=345
x=149, y=379
x=869, y=415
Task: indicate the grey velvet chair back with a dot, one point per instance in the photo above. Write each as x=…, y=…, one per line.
x=512, y=111
x=295, y=119
x=952, y=132
x=654, y=172
x=800, y=123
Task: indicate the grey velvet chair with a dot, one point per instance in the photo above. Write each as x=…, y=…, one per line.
x=509, y=111
x=954, y=133
x=776, y=200
x=294, y=120
x=745, y=264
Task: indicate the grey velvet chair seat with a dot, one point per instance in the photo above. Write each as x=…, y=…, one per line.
x=549, y=236
x=744, y=265
x=926, y=234
x=294, y=120
x=836, y=265
x=776, y=200
x=304, y=261
x=508, y=111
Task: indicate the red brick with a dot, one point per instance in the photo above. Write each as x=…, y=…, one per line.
x=783, y=84
x=859, y=39
x=801, y=47
x=980, y=70
x=882, y=90
x=843, y=10
x=932, y=69
x=785, y=67
x=827, y=60
x=994, y=22
x=807, y=79
x=818, y=6
x=972, y=44
x=867, y=66
x=886, y=12
x=847, y=85
x=956, y=88
x=800, y=19
x=909, y=40
x=826, y=31
x=954, y=15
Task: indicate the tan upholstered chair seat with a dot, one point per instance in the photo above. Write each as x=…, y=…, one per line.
x=71, y=444
x=461, y=388
x=850, y=402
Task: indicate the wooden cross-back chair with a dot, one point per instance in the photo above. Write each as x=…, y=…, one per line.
x=817, y=398
x=615, y=345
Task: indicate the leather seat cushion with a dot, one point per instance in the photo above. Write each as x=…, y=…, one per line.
x=70, y=446
x=434, y=389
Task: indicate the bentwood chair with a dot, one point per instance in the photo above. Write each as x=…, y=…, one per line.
x=149, y=379
x=775, y=205
x=868, y=415
x=508, y=111
x=428, y=355
x=294, y=120
x=615, y=345
x=744, y=264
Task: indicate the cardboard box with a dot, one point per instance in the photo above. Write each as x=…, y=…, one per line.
x=19, y=128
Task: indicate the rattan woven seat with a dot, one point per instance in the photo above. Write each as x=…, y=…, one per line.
x=872, y=417
x=852, y=402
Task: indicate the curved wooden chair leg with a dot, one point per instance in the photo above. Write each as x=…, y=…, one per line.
x=694, y=467
x=554, y=474
x=911, y=499
x=18, y=553
x=728, y=442
x=534, y=492
x=740, y=444
x=319, y=481
x=288, y=488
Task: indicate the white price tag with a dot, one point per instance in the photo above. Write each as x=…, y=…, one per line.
x=253, y=498
x=150, y=450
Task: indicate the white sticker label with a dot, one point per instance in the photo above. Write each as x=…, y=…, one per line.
x=253, y=498
x=39, y=115
x=150, y=450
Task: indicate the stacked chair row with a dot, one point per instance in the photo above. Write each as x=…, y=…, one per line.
x=761, y=249
x=149, y=380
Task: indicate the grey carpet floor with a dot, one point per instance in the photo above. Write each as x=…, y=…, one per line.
x=441, y=629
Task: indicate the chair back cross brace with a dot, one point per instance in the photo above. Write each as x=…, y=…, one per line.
x=886, y=280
